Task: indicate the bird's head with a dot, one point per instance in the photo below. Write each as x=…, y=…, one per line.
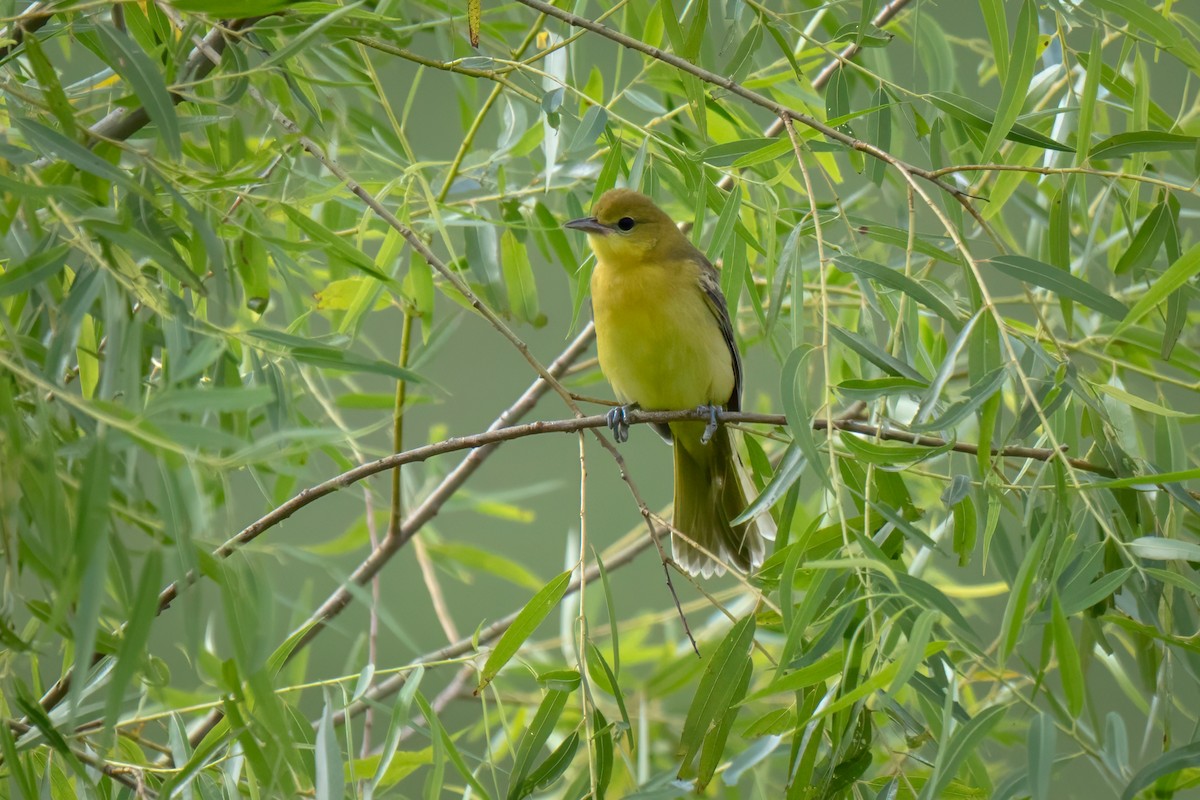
x=626, y=227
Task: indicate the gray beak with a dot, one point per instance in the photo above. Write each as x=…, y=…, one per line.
x=587, y=225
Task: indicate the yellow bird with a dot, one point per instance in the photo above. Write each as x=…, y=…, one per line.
x=666, y=343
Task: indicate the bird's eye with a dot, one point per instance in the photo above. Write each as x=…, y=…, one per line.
x=625, y=224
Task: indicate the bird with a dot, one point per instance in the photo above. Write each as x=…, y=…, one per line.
x=665, y=342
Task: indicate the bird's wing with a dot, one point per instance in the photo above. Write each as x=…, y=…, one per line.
x=711, y=285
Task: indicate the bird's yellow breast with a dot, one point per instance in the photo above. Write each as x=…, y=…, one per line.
x=659, y=343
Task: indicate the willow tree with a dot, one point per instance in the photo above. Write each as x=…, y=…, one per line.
x=268, y=268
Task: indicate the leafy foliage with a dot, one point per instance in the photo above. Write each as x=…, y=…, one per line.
x=960, y=250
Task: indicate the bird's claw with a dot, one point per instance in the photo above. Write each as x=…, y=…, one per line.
x=618, y=422
x=711, y=428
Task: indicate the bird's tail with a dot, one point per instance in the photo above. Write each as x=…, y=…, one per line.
x=711, y=489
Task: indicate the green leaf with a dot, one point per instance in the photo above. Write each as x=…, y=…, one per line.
x=1018, y=598
x=131, y=62
x=895, y=279
x=1177, y=760
x=717, y=689
x=876, y=355
x=52, y=143
x=1131, y=142
x=963, y=743
x=308, y=32
x=1147, y=241
x=1021, y=59
x=527, y=621
x=534, y=738
x=35, y=270
x=914, y=651
x=795, y=408
x=338, y=250
x=486, y=561
x=1179, y=273
x=791, y=467
x=978, y=116
x=1069, y=669
x=553, y=767
x=329, y=781
x=874, y=388
x=1061, y=282
x=310, y=352
x=52, y=90
x=997, y=29
x=1156, y=548
x=889, y=453
x=519, y=280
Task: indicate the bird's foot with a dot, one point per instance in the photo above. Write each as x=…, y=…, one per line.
x=618, y=421
x=710, y=429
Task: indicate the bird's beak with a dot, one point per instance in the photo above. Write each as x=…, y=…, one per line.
x=587, y=225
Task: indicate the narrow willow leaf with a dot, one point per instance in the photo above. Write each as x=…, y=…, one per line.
x=874, y=388
x=52, y=90
x=534, y=738
x=610, y=603
x=1075, y=601
x=997, y=29
x=603, y=751
x=914, y=650
x=1041, y=749
x=791, y=467
x=145, y=78
x=976, y=395
x=1147, y=241
x=1132, y=142
x=889, y=453
x=1179, y=273
x=949, y=367
x=33, y=271
x=338, y=249
x=724, y=227
x=519, y=280
x=329, y=781
x=1177, y=760
x=1016, y=80
x=91, y=551
x=1142, y=404
x=444, y=745
x=796, y=409
x=301, y=41
x=1144, y=19
x=717, y=688
x=1069, y=669
x=978, y=116
x=603, y=676
x=879, y=132
x=964, y=742
x=1157, y=548
x=50, y=142
x=553, y=767
x=876, y=355
x=527, y=621
x=478, y=558
x=590, y=127
x=1014, y=612
x=713, y=751
x=132, y=653
x=897, y=280
x=1062, y=283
